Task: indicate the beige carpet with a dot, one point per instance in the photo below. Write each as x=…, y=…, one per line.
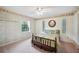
x=25, y=46
x=67, y=47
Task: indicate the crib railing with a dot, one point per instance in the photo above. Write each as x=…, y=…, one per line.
x=45, y=43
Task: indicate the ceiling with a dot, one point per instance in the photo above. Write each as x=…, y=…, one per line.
x=47, y=11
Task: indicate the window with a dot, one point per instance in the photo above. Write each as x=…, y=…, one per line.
x=43, y=26
x=64, y=26
x=25, y=26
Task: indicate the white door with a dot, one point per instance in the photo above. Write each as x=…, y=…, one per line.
x=2, y=32
x=12, y=31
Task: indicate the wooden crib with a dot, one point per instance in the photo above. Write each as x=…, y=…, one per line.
x=45, y=43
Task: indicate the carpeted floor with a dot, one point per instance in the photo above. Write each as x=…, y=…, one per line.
x=67, y=47
x=25, y=46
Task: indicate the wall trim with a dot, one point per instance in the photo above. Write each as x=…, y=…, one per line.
x=14, y=41
x=1, y=19
x=8, y=11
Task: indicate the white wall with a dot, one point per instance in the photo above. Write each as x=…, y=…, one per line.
x=10, y=28
x=71, y=27
x=58, y=24
x=76, y=27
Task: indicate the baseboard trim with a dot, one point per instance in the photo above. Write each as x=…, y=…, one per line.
x=14, y=41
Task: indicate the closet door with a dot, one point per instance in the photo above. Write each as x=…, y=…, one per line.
x=2, y=33
x=12, y=31
x=78, y=27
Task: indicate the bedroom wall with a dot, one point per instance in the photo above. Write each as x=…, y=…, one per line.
x=67, y=35
x=69, y=26
x=10, y=27
x=58, y=26
x=72, y=27
x=76, y=27
x=39, y=25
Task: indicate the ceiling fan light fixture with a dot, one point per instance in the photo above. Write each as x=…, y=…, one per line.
x=39, y=11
